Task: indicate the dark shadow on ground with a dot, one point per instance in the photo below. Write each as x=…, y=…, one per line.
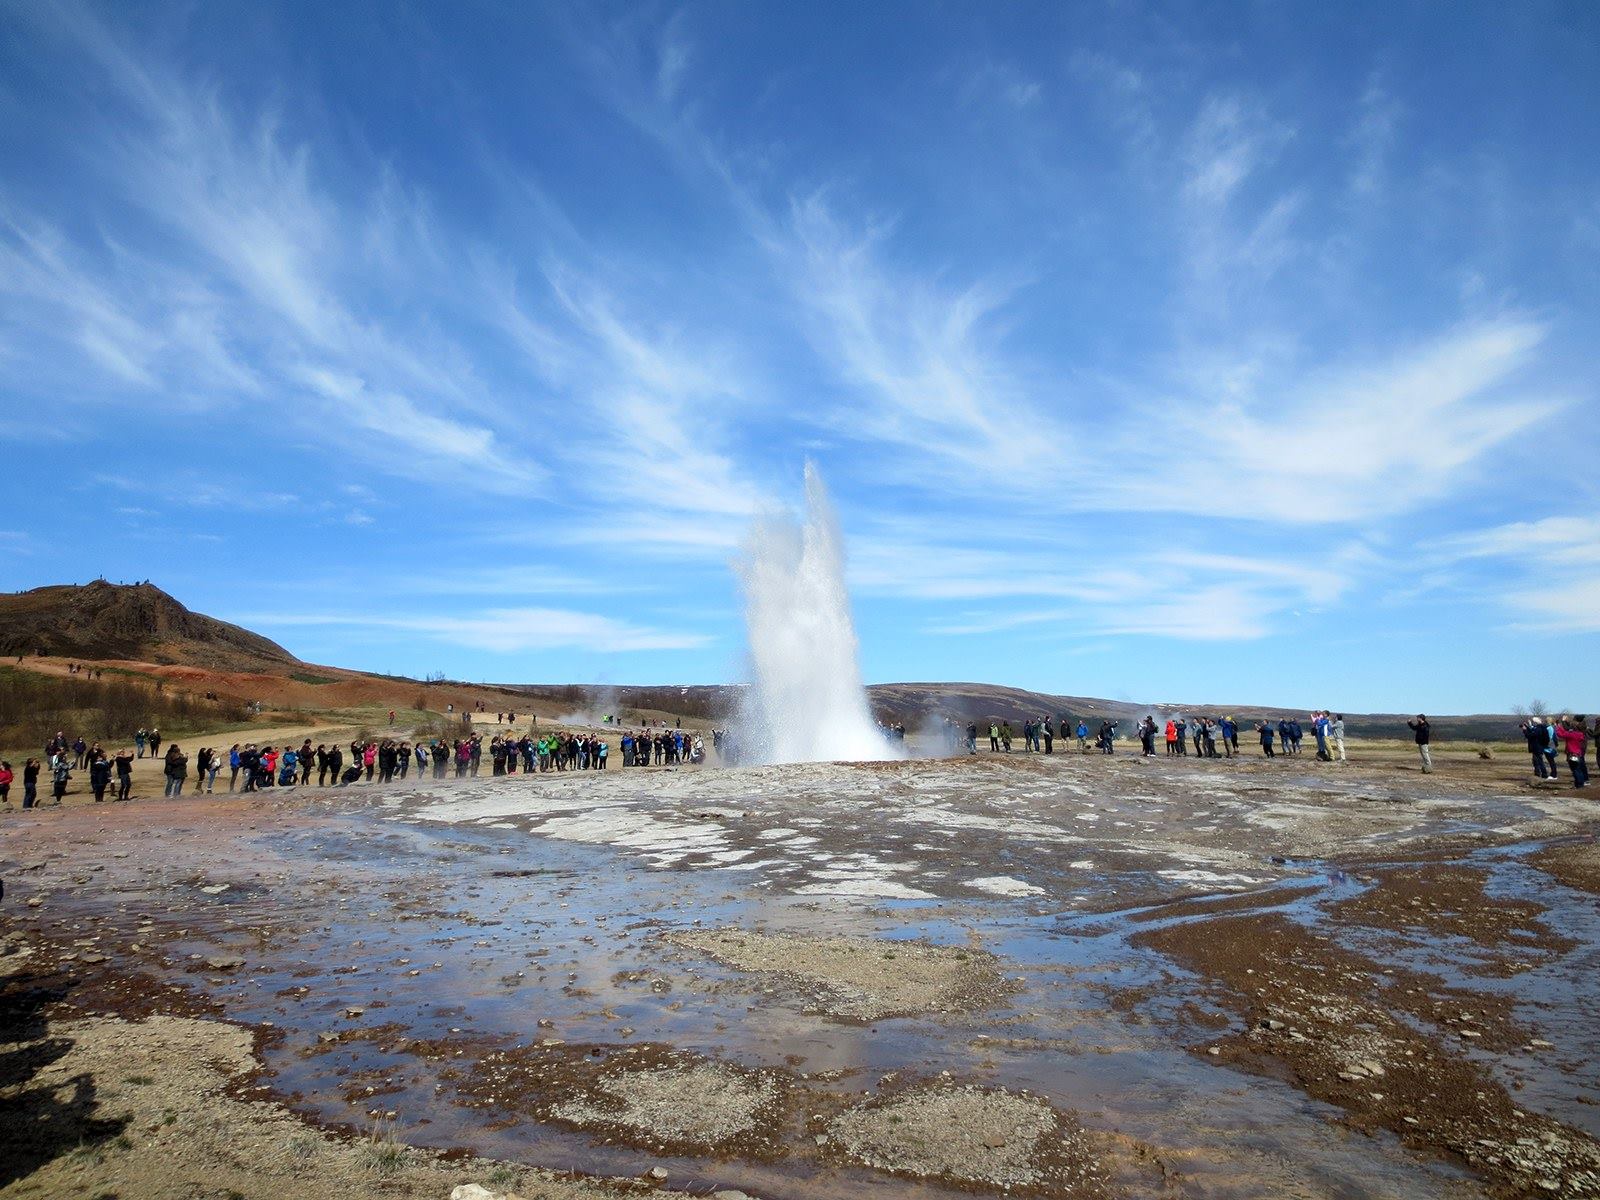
x=42, y=1122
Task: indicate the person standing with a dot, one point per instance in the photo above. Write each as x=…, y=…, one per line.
x=1423, y=733
x=60, y=772
x=1575, y=737
x=30, y=783
x=139, y=740
x=124, y=766
x=233, y=766
x=1083, y=736
x=1049, y=731
x=1336, y=727
x=1319, y=727
x=1265, y=730
x=1533, y=734
x=202, y=764
x=177, y=770
x=155, y=743
x=99, y=777
x=6, y=776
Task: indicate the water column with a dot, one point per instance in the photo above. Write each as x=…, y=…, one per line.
x=807, y=702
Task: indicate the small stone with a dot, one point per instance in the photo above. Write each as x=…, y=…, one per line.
x=659, y=1174
x=995, y=1141
x=352, y=1013
x=224, y=962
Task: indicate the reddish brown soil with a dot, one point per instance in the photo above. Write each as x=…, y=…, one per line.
x=1335, y=1024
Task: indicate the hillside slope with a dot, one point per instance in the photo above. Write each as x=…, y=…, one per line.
x=138, y=621
x=141, y=624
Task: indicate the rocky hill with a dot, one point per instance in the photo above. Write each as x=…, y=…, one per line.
x=139, y=621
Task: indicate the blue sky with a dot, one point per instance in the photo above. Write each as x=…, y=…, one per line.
x=1183, y=352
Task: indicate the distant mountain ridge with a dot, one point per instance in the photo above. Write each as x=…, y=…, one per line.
x=922, y=705
x=139, y=621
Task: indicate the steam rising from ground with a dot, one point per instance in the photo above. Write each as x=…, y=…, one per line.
x=807, y=703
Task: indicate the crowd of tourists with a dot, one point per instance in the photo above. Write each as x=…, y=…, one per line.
x=1564, y=736
x=252, y=768
x=1218, y=737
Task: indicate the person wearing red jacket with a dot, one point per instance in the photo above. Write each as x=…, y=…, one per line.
x=1573, y=735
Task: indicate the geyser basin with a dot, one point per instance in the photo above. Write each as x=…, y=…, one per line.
x=807, y=703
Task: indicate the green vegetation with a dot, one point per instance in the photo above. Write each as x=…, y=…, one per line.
x=308, y=677
x=381, y=1153
x=34, y=706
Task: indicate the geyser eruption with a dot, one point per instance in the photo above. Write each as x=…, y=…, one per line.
x=807, y=703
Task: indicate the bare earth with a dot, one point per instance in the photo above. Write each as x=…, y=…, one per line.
x=1072, y=976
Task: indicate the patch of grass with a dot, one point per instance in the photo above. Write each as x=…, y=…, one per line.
x=381, y=1153
x=83, y=1154
x=140, y=1080
x=504, y=1175
x=308, y=677
x=302, y=1146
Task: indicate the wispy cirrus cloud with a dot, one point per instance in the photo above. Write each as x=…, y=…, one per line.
x=1542, y=574
x=501, y=629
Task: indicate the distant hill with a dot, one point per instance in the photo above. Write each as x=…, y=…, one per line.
x=915, y=705
x=139, y=621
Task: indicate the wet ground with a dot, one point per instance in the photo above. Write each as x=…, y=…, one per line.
x=1110, y=976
